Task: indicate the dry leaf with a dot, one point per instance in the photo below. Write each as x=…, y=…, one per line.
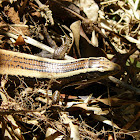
x=52, y=134
x=74, y=131
x=105, y=120
x=20, y=40
x=75, y=27
x=110, y=137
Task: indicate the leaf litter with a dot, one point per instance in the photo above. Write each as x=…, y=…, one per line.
x=34, y=108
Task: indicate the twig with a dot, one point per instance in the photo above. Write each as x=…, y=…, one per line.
x=2, y=113
x=16, y=25
x=34, y=43
x=122, y=84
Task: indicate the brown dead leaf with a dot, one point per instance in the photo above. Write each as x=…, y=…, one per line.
x=74, y=131
x=110, y=137
x=105, y=120
x=52, y=134
x=20, y=40
x=117, y=102
x=75, y=27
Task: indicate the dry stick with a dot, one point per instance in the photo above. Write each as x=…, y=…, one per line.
x=127, y=39
x=16, y=25
x=49, y=39
x=34, y=43
x=11, y=112
x=110, y=110
x=122, y=84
